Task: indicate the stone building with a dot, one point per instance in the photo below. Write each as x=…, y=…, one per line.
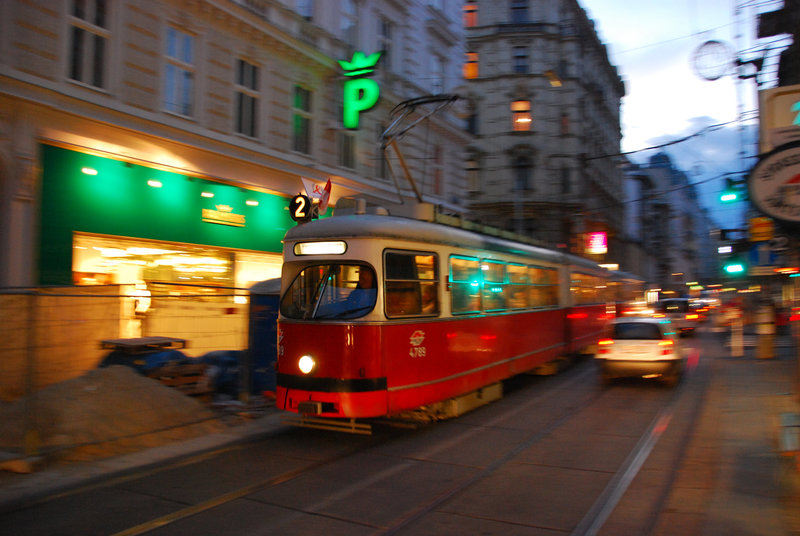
x=544, y=105
x=149, y=140
x=667, y=231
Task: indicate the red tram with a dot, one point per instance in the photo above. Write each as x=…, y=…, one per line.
x=380, y=315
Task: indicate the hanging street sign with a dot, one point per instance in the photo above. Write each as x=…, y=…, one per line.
x=774, y=183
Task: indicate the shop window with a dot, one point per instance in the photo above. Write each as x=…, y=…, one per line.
x=106, y=260
x=89, y=37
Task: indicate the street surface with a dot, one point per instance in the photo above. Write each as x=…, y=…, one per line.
x=557, y=455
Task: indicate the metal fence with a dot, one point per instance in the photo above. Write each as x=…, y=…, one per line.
x=53, y=341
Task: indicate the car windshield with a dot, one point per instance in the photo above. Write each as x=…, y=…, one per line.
x=636, y=330
x=330, y=291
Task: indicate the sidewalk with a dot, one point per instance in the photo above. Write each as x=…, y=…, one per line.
x=733, y=478
x=19, y=489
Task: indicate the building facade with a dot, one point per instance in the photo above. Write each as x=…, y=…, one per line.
x=544, y=104
x=149, y=140
x=668, y=232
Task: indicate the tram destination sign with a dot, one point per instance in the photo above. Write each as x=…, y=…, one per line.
x=774, y=183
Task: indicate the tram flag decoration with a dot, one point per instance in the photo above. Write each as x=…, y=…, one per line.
x=358, y=93
x=318, y=191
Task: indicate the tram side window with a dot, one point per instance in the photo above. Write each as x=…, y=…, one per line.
x=412, y=287
x=494, y=286
x=465, y=284
x=544, y=288
x=586, y=289
x=518, y=288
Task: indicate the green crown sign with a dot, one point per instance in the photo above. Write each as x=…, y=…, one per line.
x=358, y=94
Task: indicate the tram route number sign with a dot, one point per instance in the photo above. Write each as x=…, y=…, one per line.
x=302, y=209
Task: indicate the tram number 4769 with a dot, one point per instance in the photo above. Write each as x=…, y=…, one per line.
x=416, y=351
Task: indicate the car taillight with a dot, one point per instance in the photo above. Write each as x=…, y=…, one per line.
x=604, y=344
x=666, y=346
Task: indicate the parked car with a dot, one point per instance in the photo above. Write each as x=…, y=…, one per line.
x=680, y=313
x=641, y=347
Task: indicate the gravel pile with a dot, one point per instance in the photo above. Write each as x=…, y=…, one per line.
x=106, y=412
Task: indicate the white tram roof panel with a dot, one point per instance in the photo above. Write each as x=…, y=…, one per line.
x=399, y=228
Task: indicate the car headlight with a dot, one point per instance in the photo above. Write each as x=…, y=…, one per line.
x=306, y=364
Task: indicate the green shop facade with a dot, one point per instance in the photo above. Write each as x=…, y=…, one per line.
x=110, y=221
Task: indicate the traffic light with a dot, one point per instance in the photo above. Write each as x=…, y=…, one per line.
x=734, y=267
x=732, y=191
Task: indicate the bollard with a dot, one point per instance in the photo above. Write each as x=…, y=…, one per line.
x=765, y=330
x=737, y=338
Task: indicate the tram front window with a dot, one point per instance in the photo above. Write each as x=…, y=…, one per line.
x=331, y=291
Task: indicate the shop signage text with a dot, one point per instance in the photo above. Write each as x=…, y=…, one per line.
x=223, y=215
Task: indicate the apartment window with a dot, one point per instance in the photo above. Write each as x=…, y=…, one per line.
x=385, y=30
x=473, y=175
x=522, y=174
x=381, y=166
x=349, y=23
x=246, y=98
x=520, y=60
x=347, y=150
x=521, y=115
x=438, y=171
x=88, y=38
x=471, y=66
x=470, y=14
x=471, y=125
x=519, y=11
x=437, y=74
x=301, y=122
x=305, y=8
x=179, y=76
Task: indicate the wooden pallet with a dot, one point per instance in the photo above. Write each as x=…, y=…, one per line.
x=188, y=378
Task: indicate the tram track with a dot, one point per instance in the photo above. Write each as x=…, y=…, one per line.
x=386, y=436
x=605, y=503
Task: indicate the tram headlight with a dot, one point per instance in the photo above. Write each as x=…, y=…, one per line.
x=306, y=364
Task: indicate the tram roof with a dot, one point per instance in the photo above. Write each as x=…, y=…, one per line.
x=393, y=227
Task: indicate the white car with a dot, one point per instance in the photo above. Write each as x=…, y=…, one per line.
x=641, y=347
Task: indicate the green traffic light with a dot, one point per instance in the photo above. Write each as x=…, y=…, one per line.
x=734, y=268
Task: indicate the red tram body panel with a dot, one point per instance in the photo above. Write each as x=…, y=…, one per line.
x=498, y=309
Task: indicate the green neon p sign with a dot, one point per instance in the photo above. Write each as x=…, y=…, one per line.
x=358, y=94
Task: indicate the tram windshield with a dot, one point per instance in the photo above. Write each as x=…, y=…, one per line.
x=330, y=291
